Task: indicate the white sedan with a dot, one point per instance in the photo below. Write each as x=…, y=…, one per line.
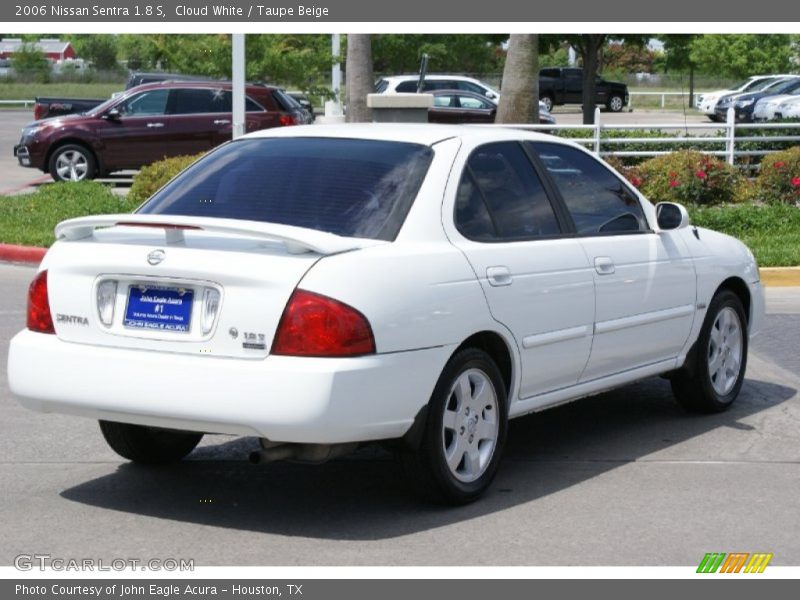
x=769, y=108
x=789, y=108
x=324, y=287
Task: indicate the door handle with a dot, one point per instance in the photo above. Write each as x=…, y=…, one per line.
x=155, y=124
x=221, y=121
x=604, y=265
x=499, y=276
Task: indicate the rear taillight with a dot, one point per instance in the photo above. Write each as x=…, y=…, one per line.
x=315, y=325
x=39, y=317
x=38, y=109
x=287, y=120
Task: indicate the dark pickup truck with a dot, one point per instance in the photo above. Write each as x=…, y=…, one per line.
x=565, y=86
x=56, y=107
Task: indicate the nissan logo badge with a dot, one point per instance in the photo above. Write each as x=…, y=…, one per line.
x=155, y=257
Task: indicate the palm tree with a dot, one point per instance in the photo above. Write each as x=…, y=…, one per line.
x=519, y=101
x=358, y=75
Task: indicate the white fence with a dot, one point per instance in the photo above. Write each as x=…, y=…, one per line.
x=698, y=134
x=663, y=96
x=24, y=103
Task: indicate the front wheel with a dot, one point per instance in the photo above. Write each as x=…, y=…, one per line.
x=149, y=445
x=615, y=103
x=711, y=381
x=72, y=162
x=465, y=431
x=548, y=103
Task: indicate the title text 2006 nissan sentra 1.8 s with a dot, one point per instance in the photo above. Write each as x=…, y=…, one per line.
x=322, y=287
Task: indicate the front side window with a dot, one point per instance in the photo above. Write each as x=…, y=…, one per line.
x=500, y=197
x=348, y=187
x=473, y=102
x=151, y=102
x=598, y=201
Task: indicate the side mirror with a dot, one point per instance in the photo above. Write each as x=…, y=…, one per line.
x=490, y=95
x=671, y=216
x=113, y=114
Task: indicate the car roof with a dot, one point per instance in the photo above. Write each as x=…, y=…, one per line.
x=430, y=76
x=411, y=133
x=196, y=84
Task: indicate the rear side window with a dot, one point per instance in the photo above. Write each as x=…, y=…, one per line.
x=381, y=86
x=406, y=87
x=500, y=197
x=355, y=188
x=598, y=201
x=187, y=101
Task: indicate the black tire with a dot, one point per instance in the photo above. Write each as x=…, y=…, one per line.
x=715, y=118
x=72, y=162
x=615, y=103
x=427, y=465
x=548, y=103
x=695, y=386
x=149, y=445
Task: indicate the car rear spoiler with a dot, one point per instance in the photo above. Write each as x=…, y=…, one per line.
x=297, y=240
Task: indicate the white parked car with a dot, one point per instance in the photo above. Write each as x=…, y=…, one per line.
x=323, y=287
x=707, y=102
x=397, y=84
x=767, y=109
x=789, y=108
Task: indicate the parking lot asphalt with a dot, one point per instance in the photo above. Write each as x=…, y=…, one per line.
x=624, y=478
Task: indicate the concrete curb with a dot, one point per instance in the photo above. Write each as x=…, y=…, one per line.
x=770, y=276
x=780, y=276
x=22, y=254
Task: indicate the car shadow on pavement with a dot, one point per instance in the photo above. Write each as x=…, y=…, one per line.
x=366, y=496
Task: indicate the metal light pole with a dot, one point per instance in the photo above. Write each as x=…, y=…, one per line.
x=238, y=67
x=333, y=108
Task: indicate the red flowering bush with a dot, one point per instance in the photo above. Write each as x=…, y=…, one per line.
x=689, y=177
x=779, y=177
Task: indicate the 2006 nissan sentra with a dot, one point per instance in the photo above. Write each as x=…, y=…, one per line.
x=322, y=287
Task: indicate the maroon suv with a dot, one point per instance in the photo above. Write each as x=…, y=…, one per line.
x=148, y=123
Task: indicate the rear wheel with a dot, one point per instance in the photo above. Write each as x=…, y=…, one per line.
x=711, y=382
x=149, y=445
x=72, y=162
x=548, y=103
x=464, y=433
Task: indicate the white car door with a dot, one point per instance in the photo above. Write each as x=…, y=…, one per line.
x=645, y=282
x=537, y=283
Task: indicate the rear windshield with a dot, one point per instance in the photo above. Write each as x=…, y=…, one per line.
x=354, y=188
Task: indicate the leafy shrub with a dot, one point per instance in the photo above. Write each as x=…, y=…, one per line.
x=29, y=219
x=689, y=177
x=755, y=145
x=152, y=177
x=779, y=177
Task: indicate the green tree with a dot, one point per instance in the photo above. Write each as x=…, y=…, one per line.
x=741, y=55
x=100, y=50
x=359, y=80
x=462, y=53
x=678, y=56
x=520, y=92
x=29, y=63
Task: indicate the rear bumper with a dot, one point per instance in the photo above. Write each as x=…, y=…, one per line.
x=284, y=399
